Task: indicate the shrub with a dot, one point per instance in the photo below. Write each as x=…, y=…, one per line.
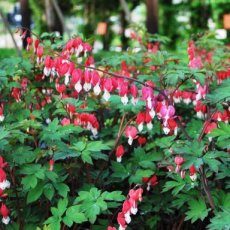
x=137, y=139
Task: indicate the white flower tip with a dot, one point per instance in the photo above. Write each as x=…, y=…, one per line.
x=46, y=71
x=121, y=228
x=2, y=118
x=124, y=100
x=134, y=210
x=166, y=130
x=78, y=87
x=119, y=159
x=175, y=131
x=66, y=79
x=4, y=184
x=193, y=177
x=149, y=125
x=187, y=101
x=97, y=89
x=6, y=220
x=130, y=140
x=106, y=95
x=48, y=120
x=200, y=115
x=152, y=113
x=148, y=187
x=176, y=99
x=140, y=127
x=87, y=87
x=127, y=218
x=149, y=103
x=94, y=132
x=134, y=101
x=79, y=60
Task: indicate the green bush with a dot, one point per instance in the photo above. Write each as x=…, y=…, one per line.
x=85, y=141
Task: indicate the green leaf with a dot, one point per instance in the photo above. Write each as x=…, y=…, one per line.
x=113, y=196
x=102, y=204
x=199, y=76
x=66, y=154
x=55, y=225
x=84, y=195
x=181, y=199
x=29, y=182
x=92, y=211
x=62, y=204
x=172, y=78
x=194, y=148
x=51, y=175
x=55, y=212
x=147, y=164
x=91, y=203
x=99, y=155
x=40, y=174
x=67, y=221
x=23, y=154
x=197, y=210
x=3, y=133
x=176, y=186
x=35, y=193
x=220, y=221
x=194, y=128
x=62, y=189
x=220, y=94
x=95, y=192
x=139, y=174
x=86, y=158
x=212, y=163
x=119, y=170
x=79, y=146
x=225, y=202
x=30, y=169
x=74, y=215
x=164, y=142
x=49, y=191
x=222, y=131
x=97, y=146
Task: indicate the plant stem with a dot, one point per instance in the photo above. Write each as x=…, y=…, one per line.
x=20, y=221
x=205, y=186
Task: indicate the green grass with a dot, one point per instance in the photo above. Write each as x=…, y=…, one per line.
x=6, y=52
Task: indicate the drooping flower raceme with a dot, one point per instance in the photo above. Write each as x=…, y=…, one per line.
x=129, y=208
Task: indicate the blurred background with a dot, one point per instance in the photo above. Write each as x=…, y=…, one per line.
x=111, y=23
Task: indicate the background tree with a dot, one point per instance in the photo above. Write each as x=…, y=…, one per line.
x=26, y=19
x=152, y=16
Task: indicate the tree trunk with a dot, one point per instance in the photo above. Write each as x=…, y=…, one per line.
x=53, y=21
x=124, y=39
x=26, y=19
x=152, y=16
x=125, y=18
